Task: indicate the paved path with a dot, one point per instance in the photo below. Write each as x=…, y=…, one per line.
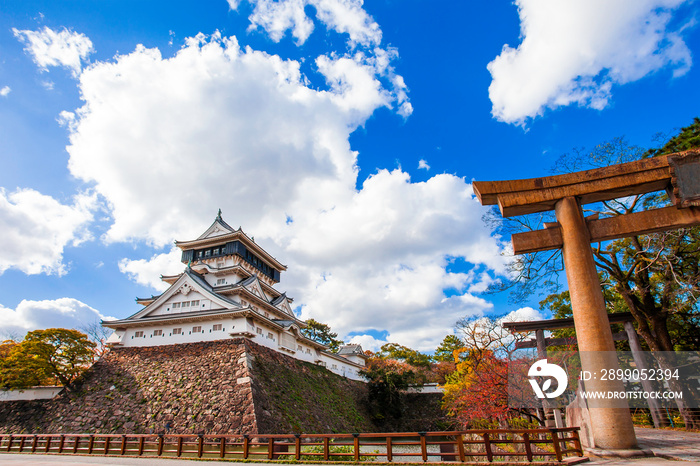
x=670, y=443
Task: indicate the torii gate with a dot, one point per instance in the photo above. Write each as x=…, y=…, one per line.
x=678, y=174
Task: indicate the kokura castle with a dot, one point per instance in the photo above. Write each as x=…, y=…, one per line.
x=227, y=291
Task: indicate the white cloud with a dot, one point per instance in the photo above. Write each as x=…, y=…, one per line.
x=573, y=52
x=169, y=141
x=368, y=342
x=276, y=17
x=346, y=17
x=148, y=272
x=422, y=164
x=38, y=315
x=5, y=91
x=50, y=48
x=35, y=229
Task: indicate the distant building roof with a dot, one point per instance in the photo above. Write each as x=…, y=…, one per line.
x=351, y=350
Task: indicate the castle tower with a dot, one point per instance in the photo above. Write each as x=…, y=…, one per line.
x=226, y=291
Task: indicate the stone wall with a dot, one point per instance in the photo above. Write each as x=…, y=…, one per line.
x=228, y=386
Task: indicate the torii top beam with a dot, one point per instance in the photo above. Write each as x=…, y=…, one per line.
x=678, y=174
x=520, y=197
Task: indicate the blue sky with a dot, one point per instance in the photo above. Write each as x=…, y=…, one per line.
x=343, y=136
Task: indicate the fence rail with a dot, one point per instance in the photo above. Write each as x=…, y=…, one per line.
x=531, y=445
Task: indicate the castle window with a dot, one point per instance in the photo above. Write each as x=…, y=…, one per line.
x=176, y=305
x=334, y=366
x=267, y=314
x=177, y=331
x=299, y=348
x=308, y=351
x=138, y=334
x=216, y=251
x=269, y=335
x=220, y=281
x=217, y=327
x=199, y=254
x=194, y=303
x=157, y=333
x=196, y=329
x=185, y=304
x=207, y=253
x=259, y=331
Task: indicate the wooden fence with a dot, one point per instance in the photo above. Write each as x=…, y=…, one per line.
x=544, y=445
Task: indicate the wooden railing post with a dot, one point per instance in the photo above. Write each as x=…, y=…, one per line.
x=61, y=442
x=356, y=444
x=179, y=446
x=142, y=440
x=297, y=447
x=200, y=446
x=21, y=444
x=107, y=442
x=528, y=446
x=48, y=444
x=577, y=442
x=423, y=446
x=123, y=448
x=487, y=444
x=326, y=449
x=75, y=444
x=460, y=448
x=270, y=448
x=91, y=444
x=222, y=447
x=557, y=446
x=161, y=441
x=9, y=442
x=35, y=442
x=246, y=447
x=389, y=450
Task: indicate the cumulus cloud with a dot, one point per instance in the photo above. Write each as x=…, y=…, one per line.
x=35, y=229
x=169, y=141
x=276, y=17
x=574, y=52
x=148, y=271
x=5, y=91
x=38, y=315
x=422, y=164
x=64, y=48
x=345, y=17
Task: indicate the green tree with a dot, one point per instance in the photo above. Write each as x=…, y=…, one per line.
x=445, y=352
x=405, y=354
x=322, y=333
x=54, y=354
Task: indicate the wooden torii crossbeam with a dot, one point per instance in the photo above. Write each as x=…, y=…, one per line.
x=678, y=174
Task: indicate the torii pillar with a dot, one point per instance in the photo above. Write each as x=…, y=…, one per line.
x=678, y=173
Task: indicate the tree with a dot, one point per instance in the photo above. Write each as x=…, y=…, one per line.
x=476, y=393
x=43, y=356
x=656, y=276
x=445, y=352
x=386, y=379
x=405, y=354
x=322, y=333
x=98, y=334
x=478, y=397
